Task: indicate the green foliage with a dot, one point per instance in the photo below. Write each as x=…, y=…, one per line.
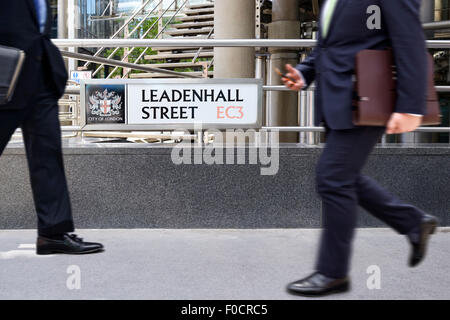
x=136, y=52
x=133, y=54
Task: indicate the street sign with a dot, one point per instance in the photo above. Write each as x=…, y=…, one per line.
x=171, y=104
x=77, y=76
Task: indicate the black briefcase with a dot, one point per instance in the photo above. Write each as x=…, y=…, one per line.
x=11, y=62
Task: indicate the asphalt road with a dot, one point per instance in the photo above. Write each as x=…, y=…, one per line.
x=215, y=264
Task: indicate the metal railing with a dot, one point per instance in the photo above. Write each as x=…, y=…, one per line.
x=127, y=36
x=197, y=54
x=186, y=43
x=76, y=90
x=106, y=9
x=155, y=23
x=437, y=25
x=141, y=67
x=125, y=25
x=159, y=32
x=236, y=43
x=279, y=43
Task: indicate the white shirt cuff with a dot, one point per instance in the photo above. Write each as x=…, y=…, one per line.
x=416, y=115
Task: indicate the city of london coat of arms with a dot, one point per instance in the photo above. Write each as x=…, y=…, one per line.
x=105, y=104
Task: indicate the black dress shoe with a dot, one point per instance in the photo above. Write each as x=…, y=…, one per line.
x=68, y=244
x=419, y=244
x=318, y=285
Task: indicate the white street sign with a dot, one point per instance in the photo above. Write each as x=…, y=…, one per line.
x=223, y=104
x=171, y=104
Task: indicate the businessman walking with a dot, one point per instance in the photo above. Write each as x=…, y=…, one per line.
x=344, y=32
x=25, y=24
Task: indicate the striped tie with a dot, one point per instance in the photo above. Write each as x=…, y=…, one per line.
x=327, y=15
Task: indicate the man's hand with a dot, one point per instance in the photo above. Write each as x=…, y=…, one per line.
x=293, y=74
x=403, y=122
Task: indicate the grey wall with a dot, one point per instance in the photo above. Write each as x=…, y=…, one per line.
x=141, y=188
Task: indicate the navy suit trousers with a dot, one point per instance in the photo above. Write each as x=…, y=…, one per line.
x=342, y=187
x=42, y=137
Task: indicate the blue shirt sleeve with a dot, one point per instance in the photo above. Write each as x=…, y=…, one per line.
x=41, y=11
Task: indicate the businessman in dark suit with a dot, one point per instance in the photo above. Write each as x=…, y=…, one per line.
x=344, y=32
x=25, y=24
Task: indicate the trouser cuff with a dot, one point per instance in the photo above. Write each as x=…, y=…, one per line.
x=62, y=227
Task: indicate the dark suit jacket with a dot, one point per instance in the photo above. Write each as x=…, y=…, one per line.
x=331, y=64
x=19, y=28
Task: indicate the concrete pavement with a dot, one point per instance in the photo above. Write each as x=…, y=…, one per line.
x=214, y=264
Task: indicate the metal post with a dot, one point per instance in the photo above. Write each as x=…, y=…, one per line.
x=62, y=19
x=160, y=21
x=260, y=73
x=257, y=19
x=71, y=32
x=303, y=114
x=234, y=19
x=285, y=25
x=126, y=53
x=311, y=137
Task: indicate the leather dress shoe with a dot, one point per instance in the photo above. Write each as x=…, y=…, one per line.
x=419, y=246
x=318, y=285
x=68, y=244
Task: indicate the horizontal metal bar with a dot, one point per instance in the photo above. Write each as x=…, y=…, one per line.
x=117, y=63
x=438, y=44
x=137, y=135
x=322, y=129
x=280, y=129
x=76, y=90
x=433, y=129
x=295, y=129
x=124, y=16
x=275, y=88
x=283, y=88
x=63, y=128
x=442, y=88
x=72, y=90
x=436, y=25
x=155, y=43
x=71, y=128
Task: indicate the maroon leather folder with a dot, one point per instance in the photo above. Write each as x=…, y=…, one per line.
x=375, y=90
